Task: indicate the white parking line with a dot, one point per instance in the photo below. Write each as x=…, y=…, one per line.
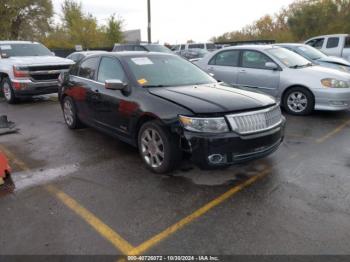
x=28, y=179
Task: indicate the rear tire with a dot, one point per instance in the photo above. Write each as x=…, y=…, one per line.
x=298, y=101
x=7, y=91
x=158, y=147
x=70, y=113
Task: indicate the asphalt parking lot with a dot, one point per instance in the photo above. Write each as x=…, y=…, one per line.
x=82, y=192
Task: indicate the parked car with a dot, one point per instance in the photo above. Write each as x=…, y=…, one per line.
x=166, y=106
x=333, y=45
x=28, y=68
x=194, y=54
x=141, y=47
x=77, y=56
x=300, y=86
x=180, y=49
x=317, y=57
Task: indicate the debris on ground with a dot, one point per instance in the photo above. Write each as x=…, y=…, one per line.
x=7, y=127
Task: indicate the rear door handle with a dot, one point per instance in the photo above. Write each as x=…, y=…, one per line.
x=242, y=71
x=211, y=68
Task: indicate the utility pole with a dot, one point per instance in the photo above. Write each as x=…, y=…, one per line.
x=149, y=21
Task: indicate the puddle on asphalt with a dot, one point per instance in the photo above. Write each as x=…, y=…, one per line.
x=219, y=177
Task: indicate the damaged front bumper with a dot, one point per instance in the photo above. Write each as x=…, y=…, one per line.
x=232, y=148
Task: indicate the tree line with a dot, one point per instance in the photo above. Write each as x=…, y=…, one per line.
x=299, y=21
x=34, y=20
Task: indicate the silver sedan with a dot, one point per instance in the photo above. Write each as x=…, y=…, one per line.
x=300, y=86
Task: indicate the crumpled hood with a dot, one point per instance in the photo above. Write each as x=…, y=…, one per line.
x=334, y=60
x=213, y=98
x=40, y=60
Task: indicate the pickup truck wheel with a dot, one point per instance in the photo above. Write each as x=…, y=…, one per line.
x=158, y=148
x=70, y=113
x=298, y=101
x=7, y=91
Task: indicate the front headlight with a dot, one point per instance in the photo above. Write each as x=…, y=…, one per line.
x=334, y=83
x=204, y=125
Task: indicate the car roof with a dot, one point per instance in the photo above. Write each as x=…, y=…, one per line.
x=8, y=42
x=288, y=44
x=90, y=52
x=333, y=35
x=139, y=53
x=254, y=47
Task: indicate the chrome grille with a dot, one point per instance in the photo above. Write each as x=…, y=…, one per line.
x=257, y=121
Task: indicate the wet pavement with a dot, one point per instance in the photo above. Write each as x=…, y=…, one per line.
x=301, y=205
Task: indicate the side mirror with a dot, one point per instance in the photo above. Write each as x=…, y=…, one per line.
x=4, y=55
x=271, y=65
x=114, y=84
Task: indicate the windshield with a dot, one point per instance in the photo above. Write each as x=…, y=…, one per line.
x=25, y=50
x=165, y=70
x=288, y=58
x=159, y=48
x=311, y=52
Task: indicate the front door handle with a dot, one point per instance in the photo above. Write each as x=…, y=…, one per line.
x=211, y=68
x=242, y=71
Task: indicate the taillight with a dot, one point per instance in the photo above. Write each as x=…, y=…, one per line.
x=20, y=71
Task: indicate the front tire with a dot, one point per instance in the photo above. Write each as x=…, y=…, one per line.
x=158, y=147
x=70, y=113
x=298, y=101
x=7, y=91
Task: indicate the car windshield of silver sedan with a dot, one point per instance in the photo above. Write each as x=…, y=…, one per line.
x=166, y=70
x=288, y=58
x=311, y=52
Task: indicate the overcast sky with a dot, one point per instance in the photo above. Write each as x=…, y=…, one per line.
x=177, y=21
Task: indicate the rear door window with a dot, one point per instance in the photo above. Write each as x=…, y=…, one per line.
x=226, y=58
x=110, y=69
x=88, y=68
x=347, y=42
x=200, y=46
x=332, y=42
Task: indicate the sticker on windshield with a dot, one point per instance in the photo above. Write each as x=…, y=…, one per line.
x=142, y=61
x=142, y=81
x=5, y=47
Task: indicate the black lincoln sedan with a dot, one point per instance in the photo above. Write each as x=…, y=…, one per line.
x=170, y=109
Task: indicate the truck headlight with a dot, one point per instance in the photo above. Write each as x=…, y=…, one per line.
x=204, y=125
x=334, y=83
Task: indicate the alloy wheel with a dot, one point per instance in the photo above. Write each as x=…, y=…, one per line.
x=297, y=102
x=68, y=112
x=152, y=147
x=7, y=91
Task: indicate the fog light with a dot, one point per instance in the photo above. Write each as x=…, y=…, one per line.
x=217, y=159
x=19, y=85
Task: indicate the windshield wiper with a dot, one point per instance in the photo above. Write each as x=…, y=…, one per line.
x=147, y=86
x=301, y=66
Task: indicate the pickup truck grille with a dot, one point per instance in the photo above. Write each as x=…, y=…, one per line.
x=46, y=73
x=257, y=121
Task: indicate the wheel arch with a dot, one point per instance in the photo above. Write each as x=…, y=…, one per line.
x=146, y=117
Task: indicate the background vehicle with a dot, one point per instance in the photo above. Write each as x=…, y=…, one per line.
x=333, y=45
x=300, y=85
x=317, y=57
x=77, y=56
x=28, y=68
x=166, y=106
x=141, y=47
x=181, y=49
x=194, y=54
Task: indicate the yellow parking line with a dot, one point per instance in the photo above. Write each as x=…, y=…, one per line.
x=198, y=213
x=333, y=132
x=92, y=220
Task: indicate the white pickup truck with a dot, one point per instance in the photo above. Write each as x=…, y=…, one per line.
x=332, y=45
x=28, y=69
